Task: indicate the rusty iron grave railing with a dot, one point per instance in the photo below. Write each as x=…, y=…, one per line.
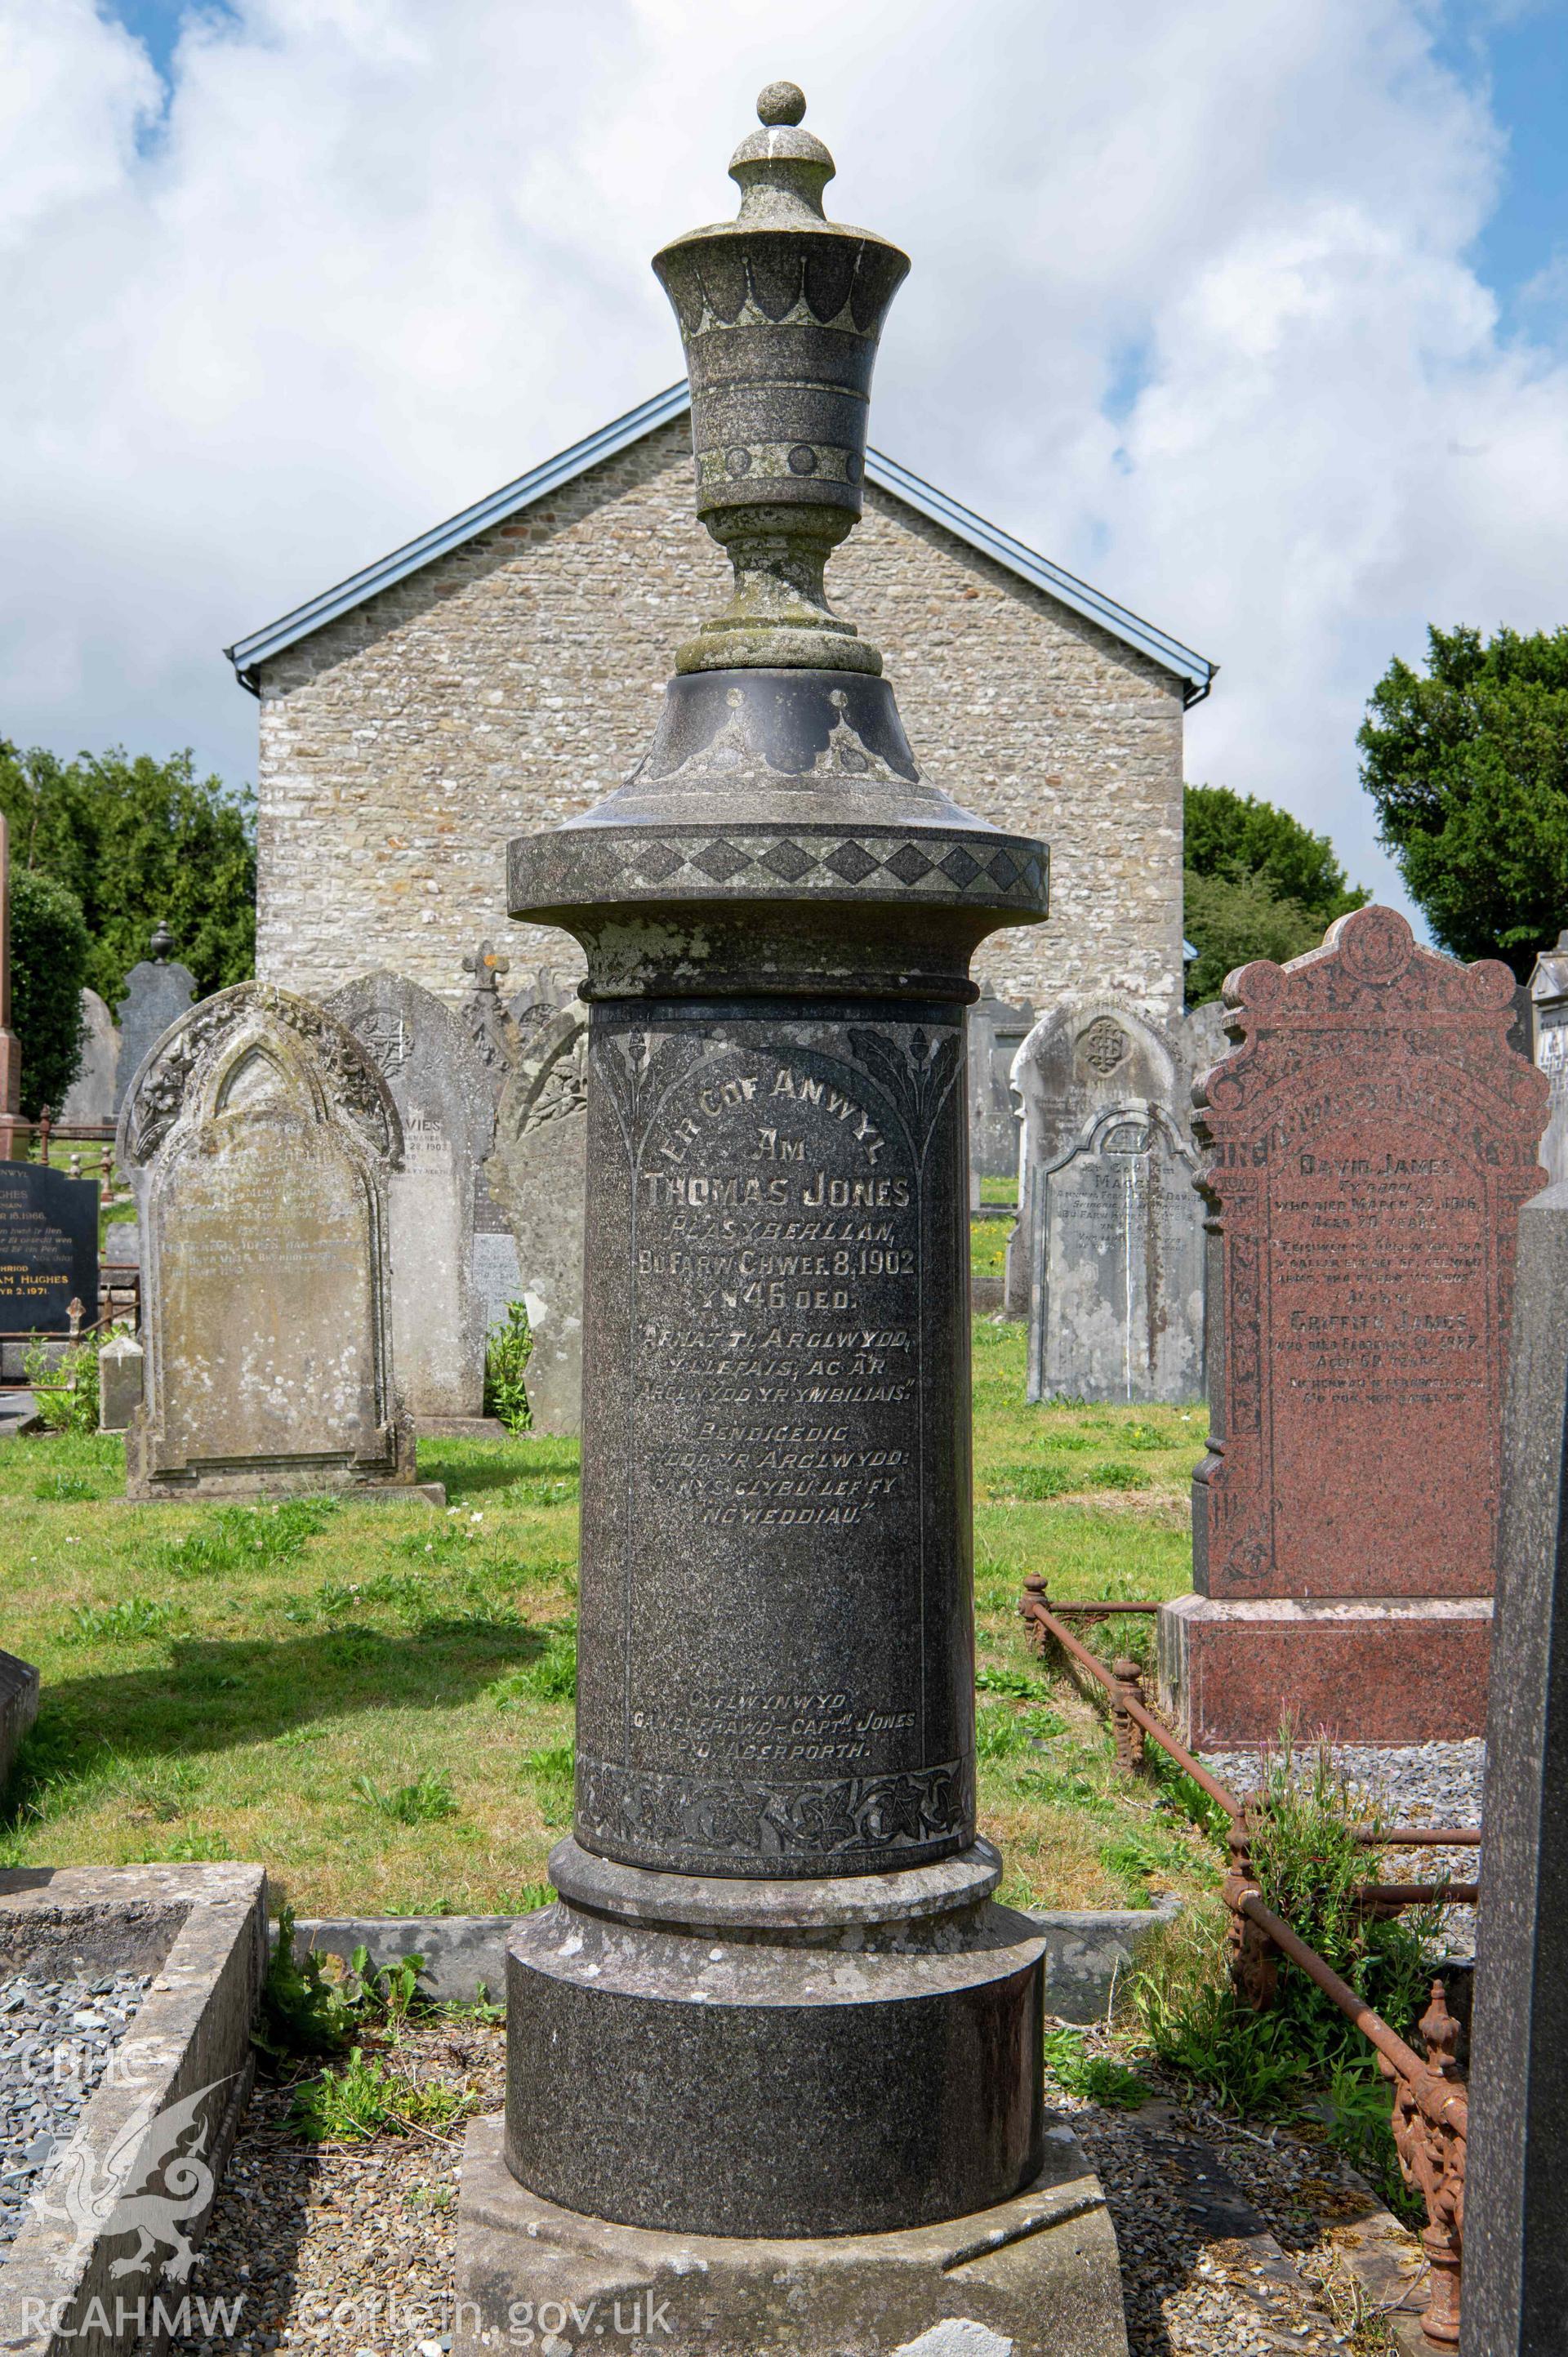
x=75, y=1334
x=1430, y=2107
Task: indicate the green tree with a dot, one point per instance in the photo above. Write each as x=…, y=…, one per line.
x=1468, y=767
x=138, y=840
x=50, y=954
x=1255, y=884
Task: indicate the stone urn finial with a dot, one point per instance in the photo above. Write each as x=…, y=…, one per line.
x=780, y=311
x=162, y=942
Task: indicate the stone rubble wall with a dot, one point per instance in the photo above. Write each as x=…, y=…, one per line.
x=515, y=681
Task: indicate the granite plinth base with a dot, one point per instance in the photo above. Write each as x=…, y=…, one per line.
x=858, y=2055
x=18, y=1706
x=1034, y=2277
x=1375, y=1670
x=239, y=1487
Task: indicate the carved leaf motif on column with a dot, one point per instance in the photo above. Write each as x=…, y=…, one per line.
x=918, y=1071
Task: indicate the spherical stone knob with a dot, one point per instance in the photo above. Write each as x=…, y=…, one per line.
x=781, y=102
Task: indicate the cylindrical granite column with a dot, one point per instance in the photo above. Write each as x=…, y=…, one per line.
x=776, y=1996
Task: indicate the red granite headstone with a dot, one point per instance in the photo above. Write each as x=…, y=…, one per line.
x=1369, y=1147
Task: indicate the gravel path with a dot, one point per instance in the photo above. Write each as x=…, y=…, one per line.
x=349, y=2249
x=56, y=2038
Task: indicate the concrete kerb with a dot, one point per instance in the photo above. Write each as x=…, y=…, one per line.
x=201, y=1932
x=1089, y=1953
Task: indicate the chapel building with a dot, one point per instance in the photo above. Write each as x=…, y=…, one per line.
x=501, y=674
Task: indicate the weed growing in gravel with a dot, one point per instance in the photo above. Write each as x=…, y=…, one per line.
x=369, y=2097
x=303, y=2010
x=1096, y=2077
x=507, y=1353
x=1308, y=1867
x=1364, y=2326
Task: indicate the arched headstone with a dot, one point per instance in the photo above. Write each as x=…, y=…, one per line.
x=260, y=1139
x=1116, y=1311
x=1079, y=1060
x=444, y=1089
x=157, y=993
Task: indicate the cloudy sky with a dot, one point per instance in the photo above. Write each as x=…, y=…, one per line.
x=1252, y=312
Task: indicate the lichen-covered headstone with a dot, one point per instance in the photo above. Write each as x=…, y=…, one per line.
x=157, y=993
x=1078, y=1061
x=260, y=1140
x=1117, y=1305
x=537, y=1177
x=443, y=1092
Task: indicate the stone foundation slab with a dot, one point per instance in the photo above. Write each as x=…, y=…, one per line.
x=1035, y=2277
x=1380, y=1669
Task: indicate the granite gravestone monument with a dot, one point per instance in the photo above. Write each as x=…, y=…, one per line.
x=442, y=1089
x=1516, y=2258
x=260, y=1140
x=1549, y=1004
x=775, y=2051
x=1078, y=1061
x=537, y=1177
x=1367, y=1150
x=1116, y=1309
x=157, y=993
x=48, y=1249
x=91, y=1100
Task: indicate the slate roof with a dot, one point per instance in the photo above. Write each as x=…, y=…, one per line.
x=248, y=655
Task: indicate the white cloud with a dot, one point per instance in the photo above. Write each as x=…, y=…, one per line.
x=1190, y=310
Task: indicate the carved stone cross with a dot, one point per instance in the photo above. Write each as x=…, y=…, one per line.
x=487, y=966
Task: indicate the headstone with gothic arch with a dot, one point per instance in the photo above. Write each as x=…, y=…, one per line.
x=260, y=1139
x=1079, y=1060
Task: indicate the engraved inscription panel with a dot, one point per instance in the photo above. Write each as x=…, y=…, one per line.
x=49, y=1248
x=265, y=1348
x=774, y=1674
x=1118, y=1309
x=1382, y=1333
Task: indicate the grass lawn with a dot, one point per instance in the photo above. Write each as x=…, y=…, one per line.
x=376, y=1700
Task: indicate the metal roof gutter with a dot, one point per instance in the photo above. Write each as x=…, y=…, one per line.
x=248, y=655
